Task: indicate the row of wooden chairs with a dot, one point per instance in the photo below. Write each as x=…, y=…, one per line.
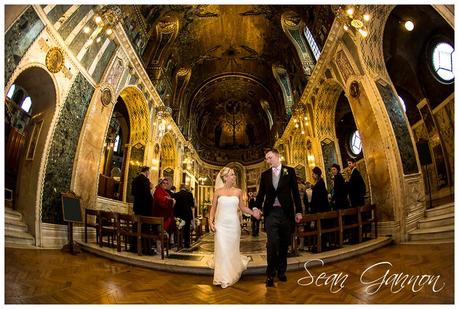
x=123, y=227
x=359, y=219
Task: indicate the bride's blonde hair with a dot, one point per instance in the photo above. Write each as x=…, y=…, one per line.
x=220, y=181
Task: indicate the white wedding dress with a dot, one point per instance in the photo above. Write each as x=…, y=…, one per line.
x=227, y=262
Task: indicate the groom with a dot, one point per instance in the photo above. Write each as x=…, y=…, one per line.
x=277, y=193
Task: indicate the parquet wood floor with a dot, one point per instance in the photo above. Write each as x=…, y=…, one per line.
x=53, y=277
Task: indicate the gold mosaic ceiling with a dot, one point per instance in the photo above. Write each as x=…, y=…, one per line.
x=230, y=51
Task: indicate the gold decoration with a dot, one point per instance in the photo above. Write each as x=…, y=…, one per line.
x=54, y=60
x=106, y=96
x=355, y=91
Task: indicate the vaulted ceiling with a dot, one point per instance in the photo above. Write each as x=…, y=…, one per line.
x=228, y=72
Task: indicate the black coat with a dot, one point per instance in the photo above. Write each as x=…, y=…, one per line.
x=357, y=189
x=143, y=200
x=339, y=196
x=287, y=193
x=184, y=202
x=319, y=200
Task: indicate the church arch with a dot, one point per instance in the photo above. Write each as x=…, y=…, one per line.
x=26, y=135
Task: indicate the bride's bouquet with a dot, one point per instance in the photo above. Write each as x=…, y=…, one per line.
x=179, y=222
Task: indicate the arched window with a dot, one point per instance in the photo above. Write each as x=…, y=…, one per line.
x=312, y=43
x=355, y=143
x=11, y=91
x=116, y=147
x=443, y=61
x=402, y=103
x=26, y=104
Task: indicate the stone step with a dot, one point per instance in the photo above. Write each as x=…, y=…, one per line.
x=15, y=227
x=440, y=210
x=429, y=241
x=19, y=238
x=13, y=216
x=437, y=221
x=443, y=232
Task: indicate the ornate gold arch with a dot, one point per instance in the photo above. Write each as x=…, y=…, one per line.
x=139, y=116
x=168, y=152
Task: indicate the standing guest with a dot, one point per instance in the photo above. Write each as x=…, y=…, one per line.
x=319, y=198
x=255, y=221
x=183, y=210
x=357, y=188
x=141, y=190
x=339, y=192
x=163, y=205
x=307, y=198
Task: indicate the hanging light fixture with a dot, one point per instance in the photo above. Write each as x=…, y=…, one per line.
x=353, y=19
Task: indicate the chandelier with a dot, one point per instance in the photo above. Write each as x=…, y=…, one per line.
x=106, y=19
x=353, y=19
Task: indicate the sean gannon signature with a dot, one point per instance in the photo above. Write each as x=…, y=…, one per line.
x=396, y=281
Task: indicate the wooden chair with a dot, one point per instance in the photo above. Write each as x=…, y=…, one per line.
x=125, y=230
x=303, y=229
x=178, y=236
x=349, y=223
x=156, y=233
x=330, y=225
x=368, y=217
x=107, y=227
x=91, y=219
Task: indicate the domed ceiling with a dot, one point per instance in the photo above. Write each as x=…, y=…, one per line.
x=229, y=73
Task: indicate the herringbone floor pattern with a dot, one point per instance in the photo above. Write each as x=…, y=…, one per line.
x=53, y=277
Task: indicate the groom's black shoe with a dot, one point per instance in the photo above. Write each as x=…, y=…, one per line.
x=269, y=281
x=282, y=277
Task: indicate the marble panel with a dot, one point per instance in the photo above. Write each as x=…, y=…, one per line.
x=78, y=42
x=445, y=123
x=19, y=38
x=74, y=20
x=137, y=154
x=57, y=12
x=102, y=63
x=399, y=125
x=90, y=55
x=59, y=166
x=329, y=156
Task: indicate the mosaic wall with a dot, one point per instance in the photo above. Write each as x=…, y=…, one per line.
x=400, y=128
x=59, y=167
x=137, y=153
x=329, y=156
x=19, y=38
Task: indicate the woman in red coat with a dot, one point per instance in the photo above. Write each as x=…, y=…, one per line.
x=163, y=205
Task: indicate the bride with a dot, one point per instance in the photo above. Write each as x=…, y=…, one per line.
x=224, y=221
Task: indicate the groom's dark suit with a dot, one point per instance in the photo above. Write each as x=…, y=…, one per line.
x=279, y=221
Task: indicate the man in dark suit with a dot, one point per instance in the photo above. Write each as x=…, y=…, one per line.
x=255, y=221
x=356, y=185
x=183, y=209
x=277, y=193
x=143, y=200
x=141, y=190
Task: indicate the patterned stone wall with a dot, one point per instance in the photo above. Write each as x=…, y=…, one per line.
x=329, y=156
x=59, y=167
x=19, y=38
x=399, y=125
x=137, y=154
x=445, y=123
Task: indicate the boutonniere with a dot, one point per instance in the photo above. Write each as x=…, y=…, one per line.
x=284, y=171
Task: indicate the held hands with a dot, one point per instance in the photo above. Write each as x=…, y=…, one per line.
x=298, y=217
x=257, y=213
